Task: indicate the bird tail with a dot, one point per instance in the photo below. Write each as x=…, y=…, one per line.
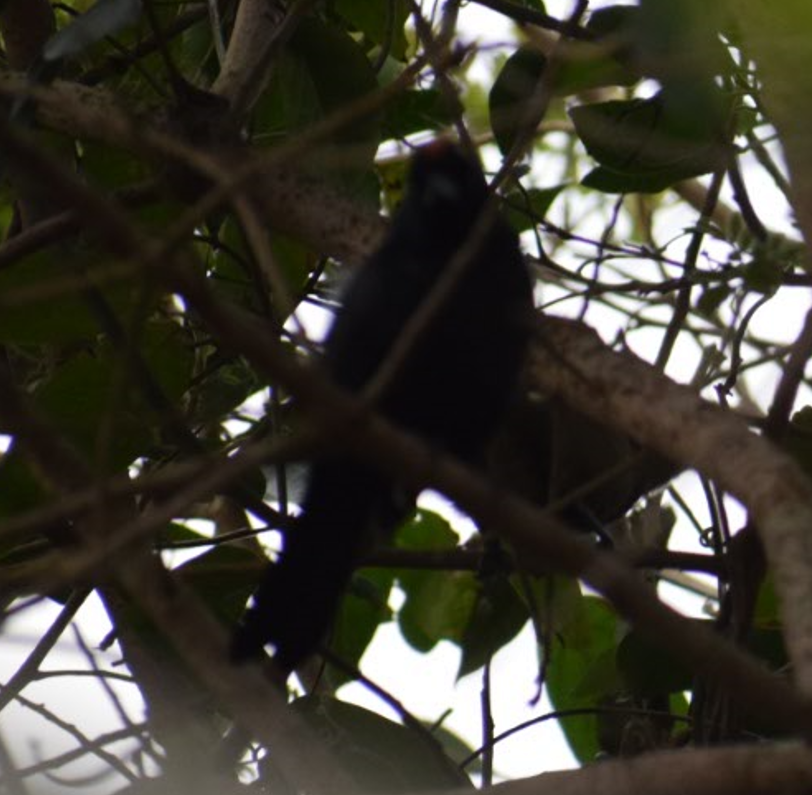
x=293, y=607
x=297, y=598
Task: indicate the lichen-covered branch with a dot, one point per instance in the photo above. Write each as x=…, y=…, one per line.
x=743, y=770
x=297, y=204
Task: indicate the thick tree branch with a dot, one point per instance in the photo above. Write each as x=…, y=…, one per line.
x=742, y=770
x=675, y=428
x=300, y=205
x=571, y=361
x=25, y=26
x=541, y=541
x=199, y=638
x=260, y=31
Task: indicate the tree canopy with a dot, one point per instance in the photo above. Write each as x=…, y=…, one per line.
x=184, y=186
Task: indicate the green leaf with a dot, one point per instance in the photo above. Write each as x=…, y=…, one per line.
x=111, y=167
x=648, y=144
x=556, y=600
x=20, y=489
x=382, y=23
x=764, y=273
x=612, y=21
x=678, y=704
x=80, y=400
x=167, y=353
x=524, y=209
x=43, y=299
x=513, y=87
x=712, y=298
x=235, y=273
x=457, y=749
x=438, y=607
x=363, y=609
x=101, y=406
x=227, y=385
x=605, y=61
x=588, y=67
x=677, y=41
x=381, y=755
x=223, y=577
x=497, y=618
x=295, y=262
x=608, y=181
x=323, y=71
x=176, y=532
x=414, y=111
x=229, y=265
x=581, y=671
x=583, y=66
x=438, y=604
x=194, y=50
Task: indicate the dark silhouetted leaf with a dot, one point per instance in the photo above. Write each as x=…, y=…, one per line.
x=646, y=145
x=43, y=299
x=498, y=616
x=362, y=610
x=413, y=111
x=525, y=209
x=382, y=23
x=224, y=577
x=510, y=93
x=324, y=72
x=677, y=41
x=382, y=756
x=20, y=489
x=712, y=298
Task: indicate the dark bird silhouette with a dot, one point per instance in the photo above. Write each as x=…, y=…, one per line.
x=450, y=388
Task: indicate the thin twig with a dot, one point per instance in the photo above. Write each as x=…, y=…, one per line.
x=531, y=16
x=487, y=726
x=86, y=745
x=683, y=302
x=27, y=672
x=103, y=681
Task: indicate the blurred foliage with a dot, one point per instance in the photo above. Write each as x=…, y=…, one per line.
x=639, y=100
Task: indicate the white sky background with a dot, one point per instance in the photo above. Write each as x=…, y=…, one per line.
x=423, y=683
